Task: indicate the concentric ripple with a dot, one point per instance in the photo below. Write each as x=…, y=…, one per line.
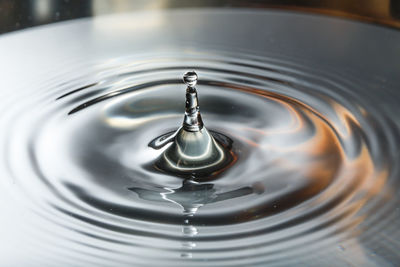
x=315, y=168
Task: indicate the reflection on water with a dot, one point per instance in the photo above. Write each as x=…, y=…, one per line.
x=190, y=197
x=315, y=174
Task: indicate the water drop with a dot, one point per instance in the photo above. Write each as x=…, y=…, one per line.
x=194, y=152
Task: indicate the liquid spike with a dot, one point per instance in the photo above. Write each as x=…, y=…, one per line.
x=192, y=121
x=194, y=152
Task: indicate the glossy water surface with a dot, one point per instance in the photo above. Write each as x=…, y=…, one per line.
x=307, y=107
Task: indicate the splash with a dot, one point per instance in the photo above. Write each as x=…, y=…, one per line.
x=194, y=152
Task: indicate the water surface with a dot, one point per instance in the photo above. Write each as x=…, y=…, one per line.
x=308, y=103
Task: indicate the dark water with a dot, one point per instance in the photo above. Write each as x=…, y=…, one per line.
x=313, y=128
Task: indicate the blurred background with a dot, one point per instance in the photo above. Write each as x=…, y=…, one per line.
x=20, y=14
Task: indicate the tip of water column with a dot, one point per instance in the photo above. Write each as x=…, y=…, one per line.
x=190, y=78
x=192, y=121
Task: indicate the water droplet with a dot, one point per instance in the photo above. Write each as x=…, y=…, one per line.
x=194, y=153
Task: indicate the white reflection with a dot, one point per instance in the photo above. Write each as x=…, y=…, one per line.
x=42, y=9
